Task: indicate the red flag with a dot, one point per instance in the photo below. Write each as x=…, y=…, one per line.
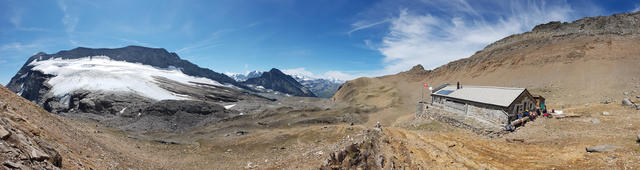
x=425, y=84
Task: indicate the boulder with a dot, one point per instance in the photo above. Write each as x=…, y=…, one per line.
x=13, y=165
x=602, y=148
x=241, y=132
x=606, y=101
x=626, y=102
x=4, y=134
x=38, y=155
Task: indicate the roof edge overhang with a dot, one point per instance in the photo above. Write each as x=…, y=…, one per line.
x=476, y=101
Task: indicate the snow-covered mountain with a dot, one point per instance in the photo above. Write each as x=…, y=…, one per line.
x=324, y=88
x=101, y=73
x=243, y=77
x=321, y=87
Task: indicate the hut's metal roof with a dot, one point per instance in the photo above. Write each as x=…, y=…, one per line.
x=500, y=96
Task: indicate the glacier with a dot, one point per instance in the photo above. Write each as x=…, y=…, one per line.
x=100, y=73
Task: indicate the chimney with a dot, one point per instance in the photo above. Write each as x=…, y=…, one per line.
x=458, y=87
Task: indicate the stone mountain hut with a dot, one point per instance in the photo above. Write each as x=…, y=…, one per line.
x=498, y=105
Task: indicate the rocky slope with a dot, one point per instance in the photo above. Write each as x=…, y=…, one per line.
x=32, y=138
x=276, y=80
x=585, y=61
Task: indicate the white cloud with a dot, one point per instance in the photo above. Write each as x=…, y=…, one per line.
x=302, y=72
x=418, y=37
x=636, y=9
x=69, y=21
x=330, y=75
x=338, y=75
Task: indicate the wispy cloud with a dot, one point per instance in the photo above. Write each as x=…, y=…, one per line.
x=69, y=21
x=209, y=42
x=330, y=75
x=295, y=53
x=420, y=37
x=636, y=9
x=360, y=25
x=16, y=46
x=134, y=42
x=299, y=72
x=16, y=20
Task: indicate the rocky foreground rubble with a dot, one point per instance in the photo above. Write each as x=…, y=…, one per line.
x=21, y=149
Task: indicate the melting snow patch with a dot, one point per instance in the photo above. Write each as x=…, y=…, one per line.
x=229, y=106
x=123, y=109
x=100, y=73
x=21, y=89
x=66, y=100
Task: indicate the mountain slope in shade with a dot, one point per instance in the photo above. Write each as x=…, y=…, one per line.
x=278, y=81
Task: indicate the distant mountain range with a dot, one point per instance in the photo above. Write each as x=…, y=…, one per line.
x=243, y=77
x=321, y=87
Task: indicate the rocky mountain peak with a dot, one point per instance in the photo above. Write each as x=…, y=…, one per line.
x=417, y=68
x=278, y=81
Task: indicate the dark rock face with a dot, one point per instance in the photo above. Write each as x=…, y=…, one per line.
x=31, y=81
x=278, y=81
x=171, y=107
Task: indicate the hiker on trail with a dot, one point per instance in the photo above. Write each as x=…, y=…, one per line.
x=526, y=113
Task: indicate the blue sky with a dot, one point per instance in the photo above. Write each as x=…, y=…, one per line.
x=340, y=39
